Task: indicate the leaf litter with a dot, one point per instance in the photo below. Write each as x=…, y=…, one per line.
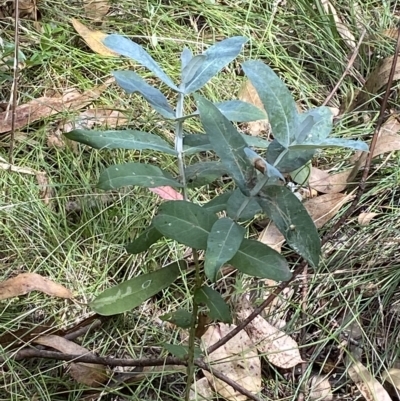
x=25, y=283
x=237, y=359
x=90, y=374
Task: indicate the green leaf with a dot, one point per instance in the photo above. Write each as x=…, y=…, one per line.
x=235, y=205
x=219, y=310
x=215, y=58
x=223, y=242
x=227, y=143
x=218, y=203
x=292, y=220
x=186, y=56
x=277, y=100
x=185, y=222
x=315, y=123
x=142, y=175
x=262, y=165
x=257, y=259
x=131, y=82
x=191, y=69
x=181, y=318
x=203, y=173
x=292, y=159
x=181, y=351
x=237, y=110
x=194, y=143
x=142, y=243
x=132, y=293
x=126, y=47
x=126, y=139
x=331, y=143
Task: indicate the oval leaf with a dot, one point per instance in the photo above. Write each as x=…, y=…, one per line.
x=331, y=143
x=277, y=100
x=132, y=293
x=142, y=175
x=218, y=203
x=203, y=173
x=315, y=123
x=227, y=143
x=185, y=222
x=131, y=82
x=126, y=47
x=259, y=260
x=186, y=56
x=222, y=244
x=216, y=58
x=237, y=110
x=142, y=243
x=292, y=220
x=126, y=139
x=219, y=310
x=181, y=318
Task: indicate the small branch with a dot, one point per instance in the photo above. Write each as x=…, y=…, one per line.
x=347, y=70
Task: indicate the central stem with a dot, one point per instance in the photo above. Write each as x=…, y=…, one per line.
x=179, y=142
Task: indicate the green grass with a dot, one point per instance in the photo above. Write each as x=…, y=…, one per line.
x=83, y=249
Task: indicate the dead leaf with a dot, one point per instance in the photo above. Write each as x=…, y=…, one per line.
x=94, y=39
x=90, y=374
x=393, y=377
x=236, y=359
x=388, y=140
x=279, y=348
x=376, y=81
x=167, y=193
x=272, y=237
x=343, y=31
x=201, y=390
x=368, y=386
x=96, y=9
x=326, y=183
x=320, y=389
x=46, y=106
x=365, y=218
x=46, y=192
x=95, y=117
x=27, y=282
x=390, y=33
x=323, y=208
x=247, y=93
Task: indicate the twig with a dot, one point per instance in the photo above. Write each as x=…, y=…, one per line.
x=83, y=330
x=347, y=70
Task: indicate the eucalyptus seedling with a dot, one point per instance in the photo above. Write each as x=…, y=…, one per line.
x=259, y=179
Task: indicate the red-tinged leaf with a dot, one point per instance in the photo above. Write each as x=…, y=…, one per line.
x=167, y=193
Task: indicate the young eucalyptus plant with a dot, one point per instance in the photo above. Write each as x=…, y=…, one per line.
x=260, y=183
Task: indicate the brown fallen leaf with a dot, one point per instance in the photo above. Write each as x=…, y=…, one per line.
x=320, y=389
x=376, y=81
x=201, y=390
x=279, y=348
x=95, y=117
x=272, y=237
x=93, y=39
x=393, y=377
x=46, y=192
x=365, y=218
x=343, y=31
x=96, y=9
x=91, y=374
x=27, y=282
x=323, y=208
x=326, y=183
x=368, y=386
x=388, y=140
x=46, y=106
x=236, y=359
x=247, y=93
